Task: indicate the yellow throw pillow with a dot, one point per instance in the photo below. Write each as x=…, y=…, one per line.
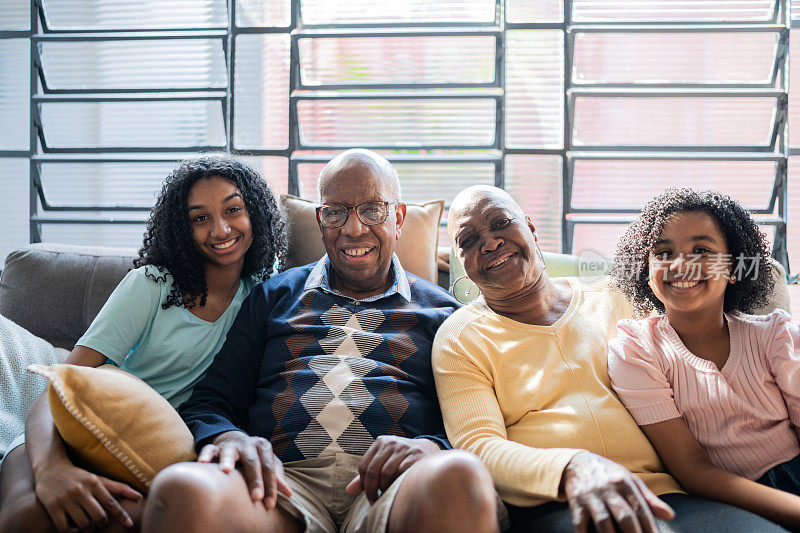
x=416, y=247
x=115, y=424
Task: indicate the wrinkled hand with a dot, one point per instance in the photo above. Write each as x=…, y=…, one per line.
x=262, y=470
x=385, y=461
x=72, y=494
x=611, y=496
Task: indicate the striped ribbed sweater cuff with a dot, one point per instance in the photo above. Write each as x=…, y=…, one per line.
x=540, y=477
x=654, y=412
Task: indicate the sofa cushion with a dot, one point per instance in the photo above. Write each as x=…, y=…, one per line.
x=18, y=389
x=416, y=247
x=115, y=424
x=55, y=290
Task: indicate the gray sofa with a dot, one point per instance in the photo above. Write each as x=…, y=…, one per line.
x=55, y=290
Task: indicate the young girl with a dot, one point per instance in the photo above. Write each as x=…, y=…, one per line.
x=214, y=232
x=716, y=390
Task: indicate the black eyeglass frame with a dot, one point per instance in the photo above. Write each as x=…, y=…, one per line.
x=354, y=208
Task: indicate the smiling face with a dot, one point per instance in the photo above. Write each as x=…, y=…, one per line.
x=495, y=242
x=360, y=254
x=219, y=221
x=689, y=266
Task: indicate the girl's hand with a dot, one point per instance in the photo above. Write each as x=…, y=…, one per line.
x=72, y=495
x=607, y=493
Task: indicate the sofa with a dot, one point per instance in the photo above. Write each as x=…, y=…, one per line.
x=54, y=291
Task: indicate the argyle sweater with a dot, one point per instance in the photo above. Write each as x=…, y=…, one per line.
x=318, y=373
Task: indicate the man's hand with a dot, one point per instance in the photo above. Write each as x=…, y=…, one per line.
x=385, y=461
x=611, y=496
x=72, y=494
x=261, y=469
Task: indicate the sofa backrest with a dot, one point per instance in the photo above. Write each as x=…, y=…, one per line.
x=595, y=267
x=55, y=290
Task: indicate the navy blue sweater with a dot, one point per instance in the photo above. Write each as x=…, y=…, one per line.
x=318, y=373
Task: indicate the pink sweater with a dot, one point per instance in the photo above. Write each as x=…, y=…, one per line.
x=743, y=414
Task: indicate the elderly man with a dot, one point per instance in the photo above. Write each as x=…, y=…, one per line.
x=321, y=407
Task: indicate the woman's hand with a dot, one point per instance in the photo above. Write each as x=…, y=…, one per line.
x=261, y=468
x=71, y=494
x=611, y=496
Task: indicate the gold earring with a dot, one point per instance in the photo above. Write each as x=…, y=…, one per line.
x=732, y=279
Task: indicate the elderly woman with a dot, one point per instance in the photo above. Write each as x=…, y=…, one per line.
x=523, y=382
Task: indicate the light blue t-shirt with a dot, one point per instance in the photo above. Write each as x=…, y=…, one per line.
x=169, y=349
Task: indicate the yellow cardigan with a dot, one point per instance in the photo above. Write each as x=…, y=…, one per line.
x=527, y=398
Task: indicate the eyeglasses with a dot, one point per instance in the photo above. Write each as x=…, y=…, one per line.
x=369, y=213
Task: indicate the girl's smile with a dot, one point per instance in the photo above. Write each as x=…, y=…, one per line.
x=689, y=266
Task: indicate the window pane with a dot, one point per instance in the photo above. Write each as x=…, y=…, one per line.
x=409, y=11
x=794, y=88
x=419, y=182
x=263, y=13
x=534, y=89
x=392, y=122
x=134, y=14
x=173, y=63
x=275, y=170
x=142, y=124
x=14, y=205
x=16, y=15
x=261, y=92
x=616, y=184
x=117, y=235
x=534, y=181
x=793, y=214
x=603, y=238
x=370, y=60
x=672, y=10
x=795, y=9
x=539, y=11
x=677, y=121
x=14, y=94
x=674, y=57
x=597, y=238
x=104, y=184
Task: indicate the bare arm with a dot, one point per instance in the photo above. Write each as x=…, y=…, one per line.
x=686, y=459
x=65, y=490
x=43, y=444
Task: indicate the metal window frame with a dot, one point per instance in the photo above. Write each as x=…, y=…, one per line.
x=778, y=150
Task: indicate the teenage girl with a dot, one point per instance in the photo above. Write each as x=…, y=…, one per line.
x=214, y=232
x=716, y=390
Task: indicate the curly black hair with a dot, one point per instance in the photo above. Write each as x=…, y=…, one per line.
x=168, y=239
x=631, y=266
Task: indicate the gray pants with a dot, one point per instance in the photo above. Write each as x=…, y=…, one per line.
x=692, y=515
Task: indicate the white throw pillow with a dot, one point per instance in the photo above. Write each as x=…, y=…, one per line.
x=18, y=389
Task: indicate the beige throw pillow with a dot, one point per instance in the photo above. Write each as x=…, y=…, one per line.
x=114, y=424
x=416, y=247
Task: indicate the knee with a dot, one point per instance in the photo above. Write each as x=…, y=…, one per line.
x=458, y=478
x=23, y=513
x=188, y=482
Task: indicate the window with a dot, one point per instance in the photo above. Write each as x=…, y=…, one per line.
x=583, y=110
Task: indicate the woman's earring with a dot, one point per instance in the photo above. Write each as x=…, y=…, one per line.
x=541, y=255
x=732, y=279
x=468, y=292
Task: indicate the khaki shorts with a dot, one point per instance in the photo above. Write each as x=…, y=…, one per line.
x=319, y=499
